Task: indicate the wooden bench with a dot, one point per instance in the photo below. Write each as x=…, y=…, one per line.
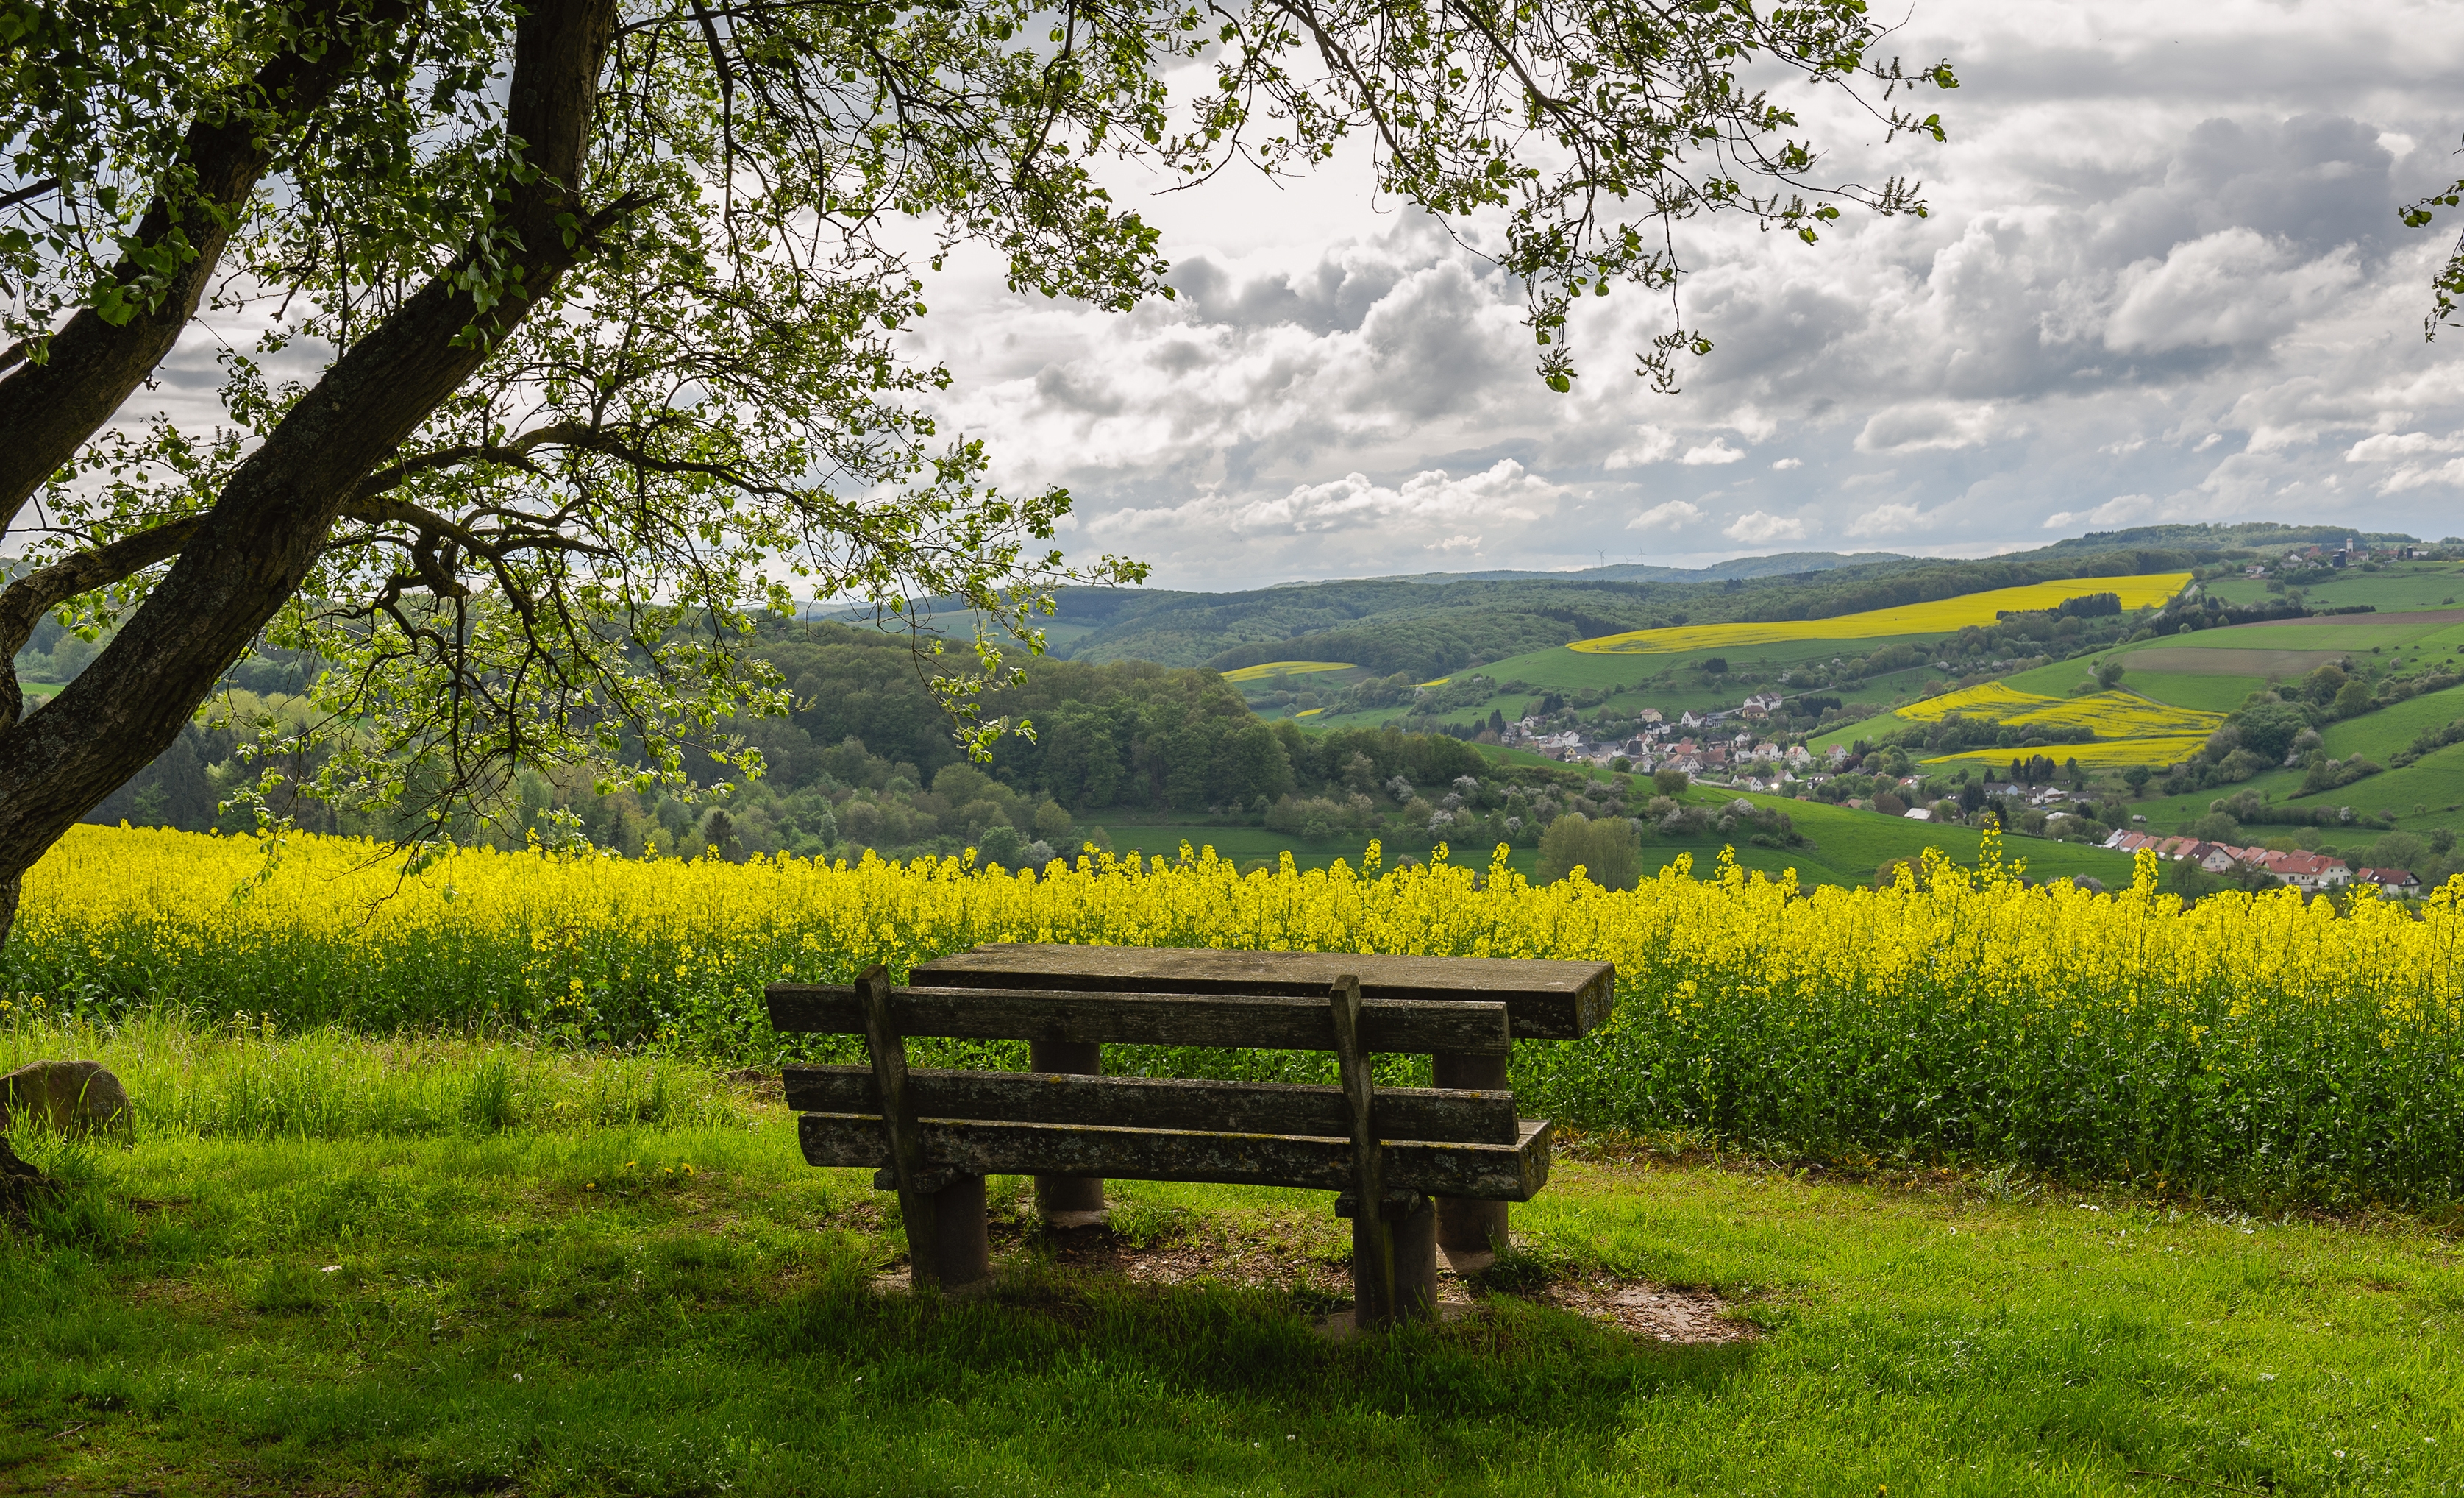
x=933, y=1135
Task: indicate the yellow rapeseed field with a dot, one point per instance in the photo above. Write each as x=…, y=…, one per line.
x=2115, y=715
x=1962, y=1013
x=1943, y=616
x=1284, y=667
x=2129, y=729
x=2155, y=752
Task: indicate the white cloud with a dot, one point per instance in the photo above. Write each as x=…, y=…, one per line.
x=2388, y=446
x=1504, y=492
x=1888, y=519
x=1930, y=425
x=1665, y=516
x=1716, y=450
x=1650, y=445
x=1759, y=528
x=2121, y=510
x=2411, y=477
x=2234, y=286
x=1354, y=503
x=1785, y=464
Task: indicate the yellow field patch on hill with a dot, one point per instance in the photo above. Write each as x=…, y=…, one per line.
x=1989, y=699
x=1284, y=668
x=2154, y=752
x=1943, y=616
x=2108, y=715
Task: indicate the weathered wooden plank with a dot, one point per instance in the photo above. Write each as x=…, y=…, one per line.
x=1492, y=1171
x=1450, y=1115
x=1545, y=999
x=918, y=1200
x=1271, y=1022
x=1377, y=1298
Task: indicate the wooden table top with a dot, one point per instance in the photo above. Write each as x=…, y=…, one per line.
x=1545, y=999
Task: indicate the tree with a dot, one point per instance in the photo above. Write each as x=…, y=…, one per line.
x=602, y=301
x=1609, y=851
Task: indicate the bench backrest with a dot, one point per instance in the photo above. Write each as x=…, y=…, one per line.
x=1453, y=1142
x=1294, y=1018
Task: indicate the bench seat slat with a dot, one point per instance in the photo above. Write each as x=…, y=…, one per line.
x=1447, y=1115
x=1265, y=1021
x=1482, y=1172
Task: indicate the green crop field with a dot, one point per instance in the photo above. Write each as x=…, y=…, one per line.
x=2381, y=733
x=2208, y=694
x=2434, y=782
x=2187, y=660
x=2403, y=586
x=2439, y=630
x=1849, y=846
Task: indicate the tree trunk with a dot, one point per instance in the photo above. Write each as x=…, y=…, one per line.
x=249, y=554
x=48, y=411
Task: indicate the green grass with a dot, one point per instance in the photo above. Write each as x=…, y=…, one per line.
x=1849, y=846
x=2436, y=781
x=2381, y=733
x=2207, y=694
x=2403, y=586
x=2350, y=633
x=552, y=1307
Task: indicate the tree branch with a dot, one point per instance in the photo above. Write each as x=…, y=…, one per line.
x=50, y=409
x=25, y=602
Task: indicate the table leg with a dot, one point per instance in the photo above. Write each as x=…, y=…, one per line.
x=1471, y=1233
x=1069, y=1201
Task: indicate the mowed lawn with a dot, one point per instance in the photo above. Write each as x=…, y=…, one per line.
x=549, y=1307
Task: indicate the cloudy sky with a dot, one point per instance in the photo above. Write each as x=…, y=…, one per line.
x=2163, y=279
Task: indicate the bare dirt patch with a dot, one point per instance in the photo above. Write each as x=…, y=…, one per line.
x=1642, y=1309
x=1656, y=1313
x=2190, y=660
x=1181, y=1259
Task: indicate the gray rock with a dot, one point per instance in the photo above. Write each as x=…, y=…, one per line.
x=72, y=1096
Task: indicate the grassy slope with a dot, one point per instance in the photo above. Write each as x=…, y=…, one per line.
x=1849, y=846
x=2208, y=694
x=549, y=1310
x=2415, y=584
x=2350, y=633
x=2383, y=733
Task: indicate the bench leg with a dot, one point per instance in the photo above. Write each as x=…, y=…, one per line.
x=1472, y=1233
x=1069, y=1201
x=961, y=1250
x=1415, y=1269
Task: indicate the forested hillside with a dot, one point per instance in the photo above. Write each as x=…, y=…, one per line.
x=1428, y=628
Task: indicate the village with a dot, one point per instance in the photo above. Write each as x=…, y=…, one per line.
x=1728, y=749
